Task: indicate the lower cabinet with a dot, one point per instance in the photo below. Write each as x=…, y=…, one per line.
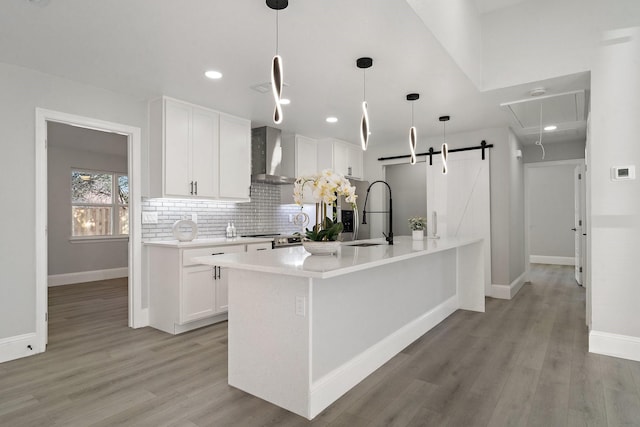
x=184, y=295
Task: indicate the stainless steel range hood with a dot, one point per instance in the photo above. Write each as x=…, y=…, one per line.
x=266, y=157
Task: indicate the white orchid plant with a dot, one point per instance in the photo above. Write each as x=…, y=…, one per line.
x=325, y=188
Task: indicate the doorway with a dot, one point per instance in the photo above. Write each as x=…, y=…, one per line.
x=137, y=316
x=555, y=214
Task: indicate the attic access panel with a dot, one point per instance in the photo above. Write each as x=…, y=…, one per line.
x=565, y=110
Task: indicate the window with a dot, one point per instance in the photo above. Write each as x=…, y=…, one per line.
x=99, y=204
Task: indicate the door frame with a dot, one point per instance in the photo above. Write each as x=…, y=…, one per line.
x=527, y=203
x=138, y=316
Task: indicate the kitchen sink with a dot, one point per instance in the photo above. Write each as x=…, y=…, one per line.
x=367, y=244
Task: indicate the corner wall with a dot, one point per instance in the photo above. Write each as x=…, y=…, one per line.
x=614, y=225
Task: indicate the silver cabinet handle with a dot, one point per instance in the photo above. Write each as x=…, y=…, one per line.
x=191, y=184
x=196, y=188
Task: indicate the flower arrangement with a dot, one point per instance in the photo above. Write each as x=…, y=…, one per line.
x=325, y=188
x=417, y=223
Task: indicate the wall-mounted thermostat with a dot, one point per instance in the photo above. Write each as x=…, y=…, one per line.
x=620, y=173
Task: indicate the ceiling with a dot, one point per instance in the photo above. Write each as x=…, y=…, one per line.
x=155, y=47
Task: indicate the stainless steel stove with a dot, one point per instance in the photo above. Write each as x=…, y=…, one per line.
x=280, y=240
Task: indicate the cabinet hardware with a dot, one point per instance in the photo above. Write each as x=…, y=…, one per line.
x=261, y=249
x=219, y=273
x=217, y=253
x=196, y=188
x=214, y=272
x=349, y=171
x=191, y=192
x=573, y=229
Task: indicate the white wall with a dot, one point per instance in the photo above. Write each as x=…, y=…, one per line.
x=568, y=150
x=72, y=257
x=22, y=92
x=507, y=199
x=517, y=261
x=551, y=211
x=550, y=38
x=614, y=226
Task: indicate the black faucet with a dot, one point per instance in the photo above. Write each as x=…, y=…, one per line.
x=388, y=238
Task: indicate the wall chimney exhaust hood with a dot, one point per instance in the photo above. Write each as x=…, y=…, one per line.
x=266, y=157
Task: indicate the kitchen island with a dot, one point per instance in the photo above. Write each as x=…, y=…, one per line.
x=304, y=329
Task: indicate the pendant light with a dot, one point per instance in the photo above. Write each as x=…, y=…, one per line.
x=364, y=63
x=413, y=137
x=445, y=148
x=276, y=64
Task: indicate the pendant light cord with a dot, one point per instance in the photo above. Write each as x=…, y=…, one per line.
x=412, y=114
x=364, y=84
x=277, y=31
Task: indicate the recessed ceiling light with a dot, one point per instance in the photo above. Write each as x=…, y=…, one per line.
x=332, y=119
x=285, y=101
x=213, y=74
x=550, y=127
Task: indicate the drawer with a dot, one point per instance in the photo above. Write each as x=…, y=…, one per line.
x=259, y=246
x=189, y=254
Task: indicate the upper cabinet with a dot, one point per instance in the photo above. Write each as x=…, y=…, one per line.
x=299, y=158
x=195, y=152
x=341, y=156
x=235, y=157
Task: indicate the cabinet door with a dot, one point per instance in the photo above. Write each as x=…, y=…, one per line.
x=354, y=157
x=340, y=158
x=197, y=294
x=177, y=149
x=235, y=157
x=204, y=154
x=222, y=291
x=306, y=161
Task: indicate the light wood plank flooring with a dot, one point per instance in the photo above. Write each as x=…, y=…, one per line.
x=523, y=362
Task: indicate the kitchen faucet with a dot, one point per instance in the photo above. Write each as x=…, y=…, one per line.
x=388, y=238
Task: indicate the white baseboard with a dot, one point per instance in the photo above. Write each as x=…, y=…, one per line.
x=508, y=291
x=337, y=382
x=556, y=260
x=87, y=276
x=18, y=346
x=623, y=346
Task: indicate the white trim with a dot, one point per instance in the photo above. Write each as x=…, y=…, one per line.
x=509, y=291
x=327, y=389
x=134, y=159
x=87, y=276
x=623, y=346
x=555, y=260
x=18, y=346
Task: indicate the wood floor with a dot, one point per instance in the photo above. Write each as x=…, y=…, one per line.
x=523, y=362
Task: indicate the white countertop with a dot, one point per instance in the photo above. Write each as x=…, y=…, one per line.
x=295, y=261
x=218, y=241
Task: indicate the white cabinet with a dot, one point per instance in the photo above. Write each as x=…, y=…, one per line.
x=235, y=157
x=184, y=295
x=300, y=158
x=195, y=152
x=343, y=157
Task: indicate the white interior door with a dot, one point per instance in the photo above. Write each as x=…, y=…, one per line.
x=461, y=200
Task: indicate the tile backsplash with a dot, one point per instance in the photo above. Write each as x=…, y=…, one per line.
x=264, y=214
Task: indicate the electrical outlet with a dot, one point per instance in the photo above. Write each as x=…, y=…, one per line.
x=149, y=217
x=194, y=217
x=291, y=217
x=301, y=306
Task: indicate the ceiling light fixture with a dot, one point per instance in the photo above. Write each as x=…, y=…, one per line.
x=413, y=137
x=276, y=64
x=364, y=63
x=212, y=74
x=444, y=151
x=331, y=119
x=550, y=128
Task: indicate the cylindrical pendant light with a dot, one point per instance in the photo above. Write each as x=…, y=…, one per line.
x=413, y=135
x=444, y=151
x=364, y=63
x=276, y=64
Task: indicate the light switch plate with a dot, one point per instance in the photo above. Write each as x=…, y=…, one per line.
x=149, y=217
